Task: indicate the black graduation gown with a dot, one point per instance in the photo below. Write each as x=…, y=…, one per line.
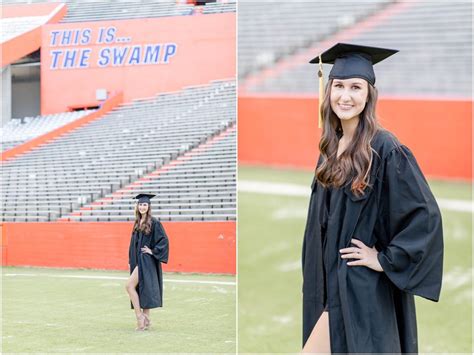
x=150, y=276
x=372, y=311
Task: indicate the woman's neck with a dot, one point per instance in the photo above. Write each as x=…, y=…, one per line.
x=349, y=127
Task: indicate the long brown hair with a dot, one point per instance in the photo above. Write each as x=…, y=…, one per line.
x=145, y=227
x=353, y=166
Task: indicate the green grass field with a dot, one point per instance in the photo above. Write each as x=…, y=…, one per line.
x=60, y=311
x=270, y=233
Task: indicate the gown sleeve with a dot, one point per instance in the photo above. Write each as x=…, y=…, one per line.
x=413, y=258
x=161, y=247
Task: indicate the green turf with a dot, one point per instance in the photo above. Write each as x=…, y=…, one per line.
x=270, y=232
x=47, y=314
x=442, y=189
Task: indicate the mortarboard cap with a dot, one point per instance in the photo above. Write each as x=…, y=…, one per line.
x=353, y=61
x=144, y=198
x=350, y=61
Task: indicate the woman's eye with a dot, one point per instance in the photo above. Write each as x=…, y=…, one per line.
x=356, y=87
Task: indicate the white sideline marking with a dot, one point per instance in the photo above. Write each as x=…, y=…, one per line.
x=125, y=278
x=284, y=189
x=273, y=188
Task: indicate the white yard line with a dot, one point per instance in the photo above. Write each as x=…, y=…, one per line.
x=273, y=188
x=119, y=278
x=284, y=189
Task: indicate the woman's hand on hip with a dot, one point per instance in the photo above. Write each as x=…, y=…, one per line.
x=366, y=256
x=146, y=250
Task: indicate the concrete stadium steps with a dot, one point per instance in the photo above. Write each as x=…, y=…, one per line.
x=220, y=7
x=20, y=130
x=270, y=30
x=107, y=154
x=104, y=10
x=200, y=185
x=15, y=26
x=433, y=37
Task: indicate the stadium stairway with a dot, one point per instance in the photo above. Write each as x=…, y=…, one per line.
x=107, y=154
x=199, y=185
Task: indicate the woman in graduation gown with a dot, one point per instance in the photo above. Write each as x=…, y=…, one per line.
x=148, y=249
x=373, y=237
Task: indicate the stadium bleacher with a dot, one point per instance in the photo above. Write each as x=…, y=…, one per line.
x=19, y=130
x=102, y=10
x=219, y=7
x=130, y=142
x=12, y=27
x=270, y=30
x=436, y=35
x=199, y=185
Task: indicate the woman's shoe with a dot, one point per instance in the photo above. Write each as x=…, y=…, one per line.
x=147, y=321
x=141, y=322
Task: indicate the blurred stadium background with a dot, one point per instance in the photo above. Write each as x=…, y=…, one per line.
x=102, y=100
x=425, y=98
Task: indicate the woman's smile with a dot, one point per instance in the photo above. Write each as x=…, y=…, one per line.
x=345, y=107
x=143, y=207
x=348, y=97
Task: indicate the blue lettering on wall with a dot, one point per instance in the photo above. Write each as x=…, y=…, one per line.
x=86, y=36
x=135, y=56
x=152, y=54
x=54, y=62
x=104, y=57
x=66, y=37
x=85, y=55
x=109, y=38
x=119, y=54
x=54, y=37
x=170, y=51
x=76, y=37
x=69, y=58
x=101, y=35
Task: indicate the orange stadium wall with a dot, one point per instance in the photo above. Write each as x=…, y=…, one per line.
x=282, y=131
x=141, y=57
x=205, y=247
x=29, y=41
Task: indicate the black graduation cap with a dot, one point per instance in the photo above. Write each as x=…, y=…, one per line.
x=353, y=61
x=350, y=61
x=144, y=198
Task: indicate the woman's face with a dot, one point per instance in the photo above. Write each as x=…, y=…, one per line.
x=143, y=207
x=348, y=97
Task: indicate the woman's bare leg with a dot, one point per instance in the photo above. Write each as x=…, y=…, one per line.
x=146, y=312
x=318, y=341
x=132, y=292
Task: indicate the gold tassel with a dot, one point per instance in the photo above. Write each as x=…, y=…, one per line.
x=321, y=92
